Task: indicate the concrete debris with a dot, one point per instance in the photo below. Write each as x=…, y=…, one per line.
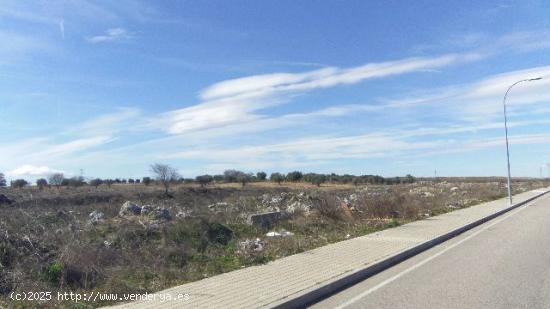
x=146, y=209
x=279, y=234
x=288, y=202
x=266, y=220
x=220, y=207
x=251, y=246
x=183, y=214
x=160, y=213
x=96, y=217
x=427, y=194
x=129, y=209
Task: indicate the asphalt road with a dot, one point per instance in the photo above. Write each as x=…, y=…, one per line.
x=504, y=263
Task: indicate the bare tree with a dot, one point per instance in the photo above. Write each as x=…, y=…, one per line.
x=56, y=179
x=165, y=174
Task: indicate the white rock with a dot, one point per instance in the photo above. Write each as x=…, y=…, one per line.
x=249, y=246
x=129, y=208
x=279, y=234
x=96, y=217
x=286, y=233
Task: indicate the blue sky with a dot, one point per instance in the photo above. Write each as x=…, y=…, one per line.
x=362, y=87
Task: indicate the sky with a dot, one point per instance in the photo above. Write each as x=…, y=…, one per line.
x=106, y=88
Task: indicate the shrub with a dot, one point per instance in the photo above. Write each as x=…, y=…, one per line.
x=76, y=181
x=294, y=176
x=7, y=254
x=393, y=223
x=2, y=180
x=177, y=256
x=19, y=183
x=232, y=175
x=318, y=180
x=41, y=183
x=146, y=181
x=96, y=182
x=261, y=176
x=54, y=272
x=243, y=179
x=204, y=180
x=219, y=233
x=276, y=177
x=108, y=182
x=329, y=206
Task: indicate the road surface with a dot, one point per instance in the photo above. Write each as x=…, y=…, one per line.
x=504, y=263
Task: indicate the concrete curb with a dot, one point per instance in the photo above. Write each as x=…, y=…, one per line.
x=323, y=292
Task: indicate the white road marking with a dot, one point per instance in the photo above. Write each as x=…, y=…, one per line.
x=410, y=269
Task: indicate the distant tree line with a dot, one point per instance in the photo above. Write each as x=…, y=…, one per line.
x=166, y=175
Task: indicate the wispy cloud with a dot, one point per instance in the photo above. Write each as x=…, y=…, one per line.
x=110, y=35
x=236, y=101
x=123, y=119
x=73, y=146
x=45, y=151
x=329, y=148
x=326, y=77
x=318, y=151
x=62, y=28
x=492, y=45
x=479, y=101
x=233, y=109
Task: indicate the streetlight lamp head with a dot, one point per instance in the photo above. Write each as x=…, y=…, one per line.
x=533, y=79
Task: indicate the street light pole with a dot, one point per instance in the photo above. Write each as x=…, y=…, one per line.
x=506, y=133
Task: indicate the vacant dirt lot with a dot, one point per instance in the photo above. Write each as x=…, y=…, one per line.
x=134, y=239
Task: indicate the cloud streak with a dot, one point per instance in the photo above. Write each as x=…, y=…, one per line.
x=62, y=28
x=110, y=35
x=328, y=77
x=237, y=101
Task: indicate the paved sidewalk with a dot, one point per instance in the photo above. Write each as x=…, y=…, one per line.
x=287, y=278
